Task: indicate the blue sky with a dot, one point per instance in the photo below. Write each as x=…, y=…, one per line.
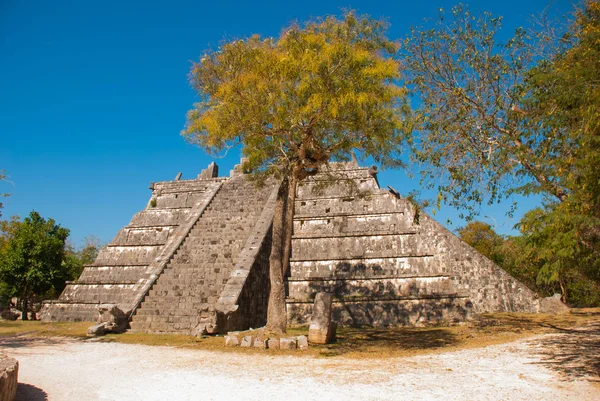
x=93, y=96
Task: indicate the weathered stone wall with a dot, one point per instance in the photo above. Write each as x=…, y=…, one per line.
x=197, y=256
x=254, y=297
x=361, y=244
x=9, y=372
x=123, y=270
x=399, y=312
x=490, y=288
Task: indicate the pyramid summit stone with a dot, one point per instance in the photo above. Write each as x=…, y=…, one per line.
x=198, y=254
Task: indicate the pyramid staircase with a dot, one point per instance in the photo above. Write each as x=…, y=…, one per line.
x=184, y=296
x=126, y=267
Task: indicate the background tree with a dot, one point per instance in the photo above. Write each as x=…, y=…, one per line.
x=565, y=236
x=8, y=229
x=31, y=261
x=315, y=94
x=76, y=258
x=482, y=237
x=2, y=195
x=475, y=139
x=496, y=119
x=524, y=258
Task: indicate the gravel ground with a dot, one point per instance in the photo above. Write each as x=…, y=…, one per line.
x=58, y=370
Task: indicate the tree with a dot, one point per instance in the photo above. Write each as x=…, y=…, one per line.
x=566, y=95
x=75, y=259
x=317, y=93
x=497, y=119
x=482, y=237
x=31, y=262
x=475, y=137
x=2, y=195
x=8, y=229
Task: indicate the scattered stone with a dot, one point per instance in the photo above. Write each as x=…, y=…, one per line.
x=96, y=330
x=247, y=341
x=10, y=314
x=113, y=318
x=287, y=343
x=232, y=341
x=553, y=305
x=260, y=343
x=321, y=330
x=302, y=342
x=9, y=372
x=273, y=343
x=199, y=330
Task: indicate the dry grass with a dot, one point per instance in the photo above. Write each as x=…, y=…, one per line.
x=488, y=329
x=39, y=329
x=352, y=342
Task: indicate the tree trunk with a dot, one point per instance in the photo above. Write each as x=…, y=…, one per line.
x=289, y=224
x=276, y=313
x=563, y=290
x=539, y=176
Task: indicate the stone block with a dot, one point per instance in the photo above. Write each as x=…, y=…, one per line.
x=96, y=330
x=288, y=343
x=211, y=329
x=302, y=342
x=259, y=343
x=9, y=314
x=212, y=171
x=9, y=371
x=320, y=323
x=247, y=341
x=553, y=305
x=113, y=318
x=273, y=343
x=232, y=341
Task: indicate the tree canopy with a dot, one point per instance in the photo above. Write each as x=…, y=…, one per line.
x=482, y=237
x=31, y=259
x=76, y=257
x=501, y=118
x=318, y=92
x=476, y=134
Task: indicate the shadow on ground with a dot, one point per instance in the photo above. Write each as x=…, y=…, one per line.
x=575, y=353
x=28, y=392
x=30, y=341
x=355, y=339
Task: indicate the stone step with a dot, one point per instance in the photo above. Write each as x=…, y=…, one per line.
x=150, y=307
x=391, y=312
x=195, y=276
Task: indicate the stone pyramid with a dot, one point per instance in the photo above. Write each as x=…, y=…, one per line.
x=196, y=259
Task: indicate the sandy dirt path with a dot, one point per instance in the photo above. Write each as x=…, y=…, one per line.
x=60, y=370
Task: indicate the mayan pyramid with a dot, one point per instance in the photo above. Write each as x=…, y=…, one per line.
x=197, y=256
